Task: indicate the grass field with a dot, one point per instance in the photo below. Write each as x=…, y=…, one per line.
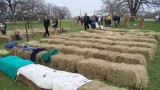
x=153, y=67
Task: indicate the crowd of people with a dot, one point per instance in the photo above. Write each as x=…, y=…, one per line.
x=98, y=21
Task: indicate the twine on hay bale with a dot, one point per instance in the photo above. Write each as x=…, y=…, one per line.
x=129, y=75
x=65, y=62
x=94, y=68
x=93, y=85
x=29, y=83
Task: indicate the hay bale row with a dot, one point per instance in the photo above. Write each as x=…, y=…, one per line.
x=94, y=35
x=65, y=62
x=38, y=32
x=148, y=53
x=30, y=35
x=95, y=53
x=110, y=42
x=5, y=39
x=32, y=43
x=122, y=74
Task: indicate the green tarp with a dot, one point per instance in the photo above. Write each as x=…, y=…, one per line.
x=10, y=64
x=47, y=56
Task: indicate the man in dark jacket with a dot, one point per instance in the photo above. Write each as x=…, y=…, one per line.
x=86, y=22
x=46, y=25
x=115, y=19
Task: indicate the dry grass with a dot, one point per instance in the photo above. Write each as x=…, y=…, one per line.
x=107, y=87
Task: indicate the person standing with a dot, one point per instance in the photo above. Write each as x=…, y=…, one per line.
x=86, y=21
x=118, y=18
x=46, y=25
x=55, y=24
x=109, y=20
x=115, y=19
x=3, y=28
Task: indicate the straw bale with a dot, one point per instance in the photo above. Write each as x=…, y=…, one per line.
x=38, y=58
x=13, y=51
x=32, y=43
x=65, y=62
x=131, y=59
x=29, y=83
x=94, y=68
x=93, y=85
x=20, y=53
x=5, y=39
x=27, y=55
x=129, y=75
x=146, y=52
x=38, y=32
x=107, y=87
x=14, y=37
x=30, y=35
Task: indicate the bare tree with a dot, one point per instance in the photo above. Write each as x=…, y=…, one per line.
x=133, y=5
x=12, y=7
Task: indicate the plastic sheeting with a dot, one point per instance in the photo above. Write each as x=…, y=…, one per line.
x=48, y=78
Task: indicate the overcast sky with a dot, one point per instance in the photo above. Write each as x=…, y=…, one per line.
x=77, y=6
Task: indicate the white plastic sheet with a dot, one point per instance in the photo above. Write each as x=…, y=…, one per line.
x=48, y=78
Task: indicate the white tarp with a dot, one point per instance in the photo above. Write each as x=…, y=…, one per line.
x=48, y=78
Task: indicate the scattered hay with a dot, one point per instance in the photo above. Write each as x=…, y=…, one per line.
x=93, y=85
x=94, y=68
x=65, y=62
x=129, y=75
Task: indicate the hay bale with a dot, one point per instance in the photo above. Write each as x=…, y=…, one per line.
x=30, y=35
x=5, y=39
x=14, y=37
x=129, y=75
x=27, y=55
x=20, y=53
x=29, y=83
x=94, y=68
x=65, y=62
x=93, y=85
x=38, y=58
x=107, y=87
x=131, y=59
x=32, y=43
x=146, y=52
